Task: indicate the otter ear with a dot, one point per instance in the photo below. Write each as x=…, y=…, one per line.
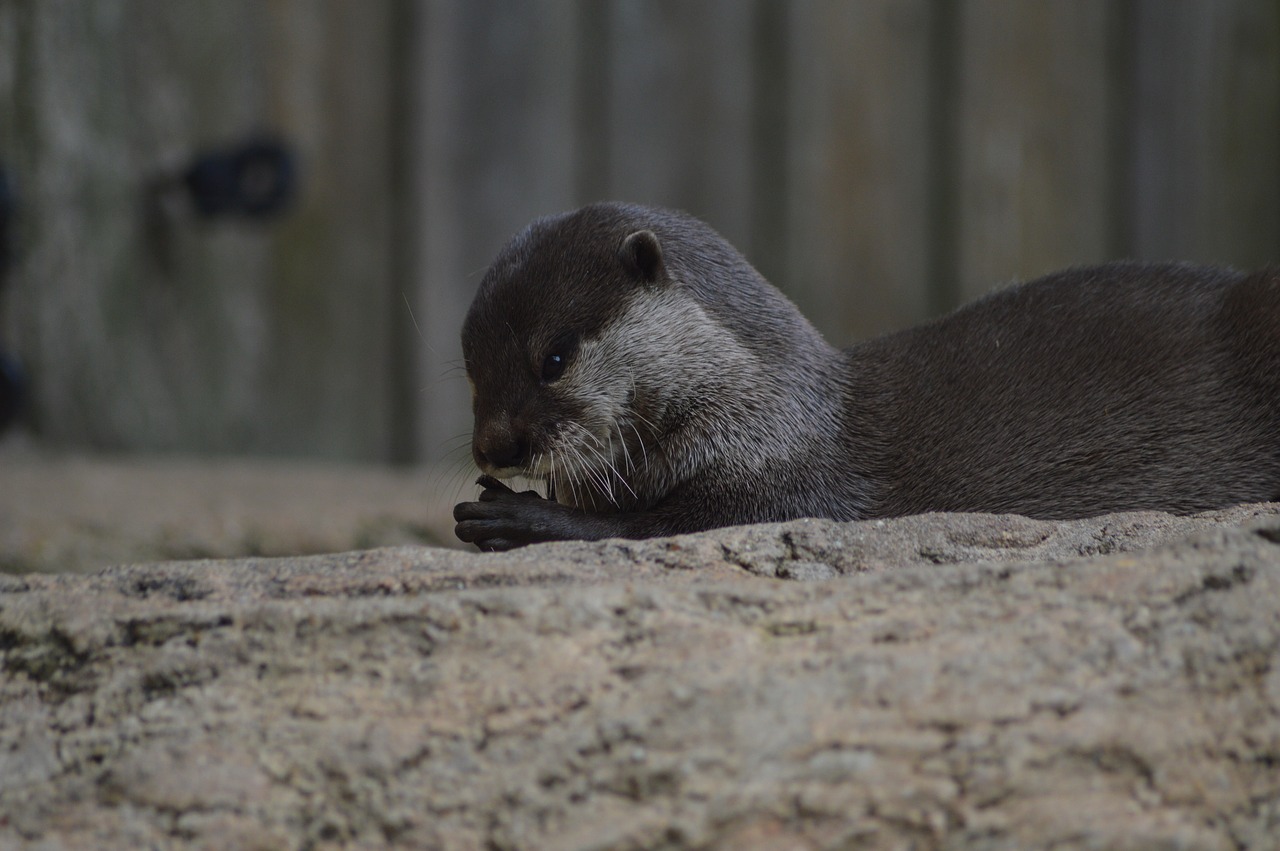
x=642, y=255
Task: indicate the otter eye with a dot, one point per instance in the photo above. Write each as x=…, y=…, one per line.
x=553, y=366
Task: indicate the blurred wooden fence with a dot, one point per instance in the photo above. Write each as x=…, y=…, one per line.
x=881, y=160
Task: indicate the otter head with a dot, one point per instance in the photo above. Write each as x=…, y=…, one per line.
x=553, y=394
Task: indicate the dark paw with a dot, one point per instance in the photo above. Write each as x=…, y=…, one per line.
x=502, y=519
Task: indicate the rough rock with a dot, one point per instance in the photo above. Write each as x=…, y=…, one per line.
x=941, y=682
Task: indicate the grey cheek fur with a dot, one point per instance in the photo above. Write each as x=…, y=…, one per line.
x=666, y=357
x=622, y=380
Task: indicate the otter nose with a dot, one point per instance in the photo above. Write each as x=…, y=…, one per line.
x=496, y=451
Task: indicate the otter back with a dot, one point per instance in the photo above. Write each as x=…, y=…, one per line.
x=1120, y=387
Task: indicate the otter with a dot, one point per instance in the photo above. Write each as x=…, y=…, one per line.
x=633, y=361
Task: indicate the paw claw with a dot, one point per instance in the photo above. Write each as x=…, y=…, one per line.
x=490, y=483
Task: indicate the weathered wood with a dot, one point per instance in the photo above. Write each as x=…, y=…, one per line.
x=680, y=109
x=1033, y=170
x=329, y=289
x=1205, y=159
x=857, y=206
x=880, y=160
x=494, y=134
x=198, y=335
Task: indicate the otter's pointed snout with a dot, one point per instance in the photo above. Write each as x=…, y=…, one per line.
x=497, y=447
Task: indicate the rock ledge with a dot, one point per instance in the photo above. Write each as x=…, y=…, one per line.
x=948, y=681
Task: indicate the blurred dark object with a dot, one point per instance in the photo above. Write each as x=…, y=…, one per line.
x=13, y=390
x=255, y=179
x=8, y=215
x=12, y=383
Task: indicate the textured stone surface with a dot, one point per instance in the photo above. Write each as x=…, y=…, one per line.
x=949, y=682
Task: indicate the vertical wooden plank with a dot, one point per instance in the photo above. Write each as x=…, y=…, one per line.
x=772, y=106
x=10, y=21
x=113, y=340
x=495, y=132
x=328, y=296
x=202, y=335
x=1033, y=160
x=680, y=109
x=858, y=208
x=1205, y=177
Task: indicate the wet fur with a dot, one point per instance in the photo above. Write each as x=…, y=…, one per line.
x=698, y=396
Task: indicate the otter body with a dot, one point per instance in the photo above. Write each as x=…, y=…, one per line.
x=634, y=361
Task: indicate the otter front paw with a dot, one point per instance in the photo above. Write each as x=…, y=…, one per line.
x=503, y=519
